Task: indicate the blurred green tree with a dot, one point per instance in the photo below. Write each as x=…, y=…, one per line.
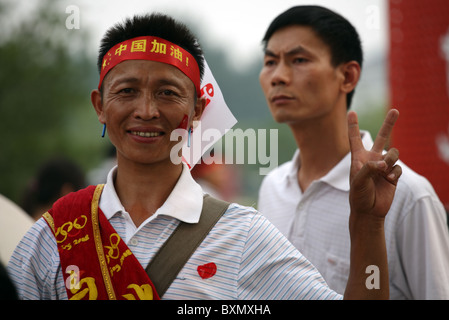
x=45, y=81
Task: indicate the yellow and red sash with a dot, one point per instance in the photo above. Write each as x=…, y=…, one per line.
x=96, y=262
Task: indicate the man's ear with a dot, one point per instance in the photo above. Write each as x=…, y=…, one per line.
x=351, y=75
x=97, y=102
x=199, y=108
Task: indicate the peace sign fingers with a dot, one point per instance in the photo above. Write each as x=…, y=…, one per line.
x=373, y=174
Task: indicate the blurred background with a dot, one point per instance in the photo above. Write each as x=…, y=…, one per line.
x=48, y=68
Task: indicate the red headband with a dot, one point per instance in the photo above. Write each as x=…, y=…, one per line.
x=153, y=49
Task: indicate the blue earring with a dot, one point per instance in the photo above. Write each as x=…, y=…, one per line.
x=188, y=137
x=104, y=130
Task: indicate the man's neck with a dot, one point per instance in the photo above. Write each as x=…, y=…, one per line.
x=142, y=189
x=323, y=144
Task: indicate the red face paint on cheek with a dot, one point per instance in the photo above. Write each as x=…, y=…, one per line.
x=184, y=123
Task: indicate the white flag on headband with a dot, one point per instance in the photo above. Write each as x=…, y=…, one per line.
x=216, y=116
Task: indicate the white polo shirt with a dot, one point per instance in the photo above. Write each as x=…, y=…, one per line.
x=253, y=260
x=316, y=222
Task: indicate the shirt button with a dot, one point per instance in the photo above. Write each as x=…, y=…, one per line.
x=134, y=242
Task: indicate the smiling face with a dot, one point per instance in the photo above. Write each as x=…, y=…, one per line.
x=298, y=79
x=142, y=103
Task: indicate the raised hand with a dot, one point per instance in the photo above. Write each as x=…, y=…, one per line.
x=374, y=175
x=373, y=181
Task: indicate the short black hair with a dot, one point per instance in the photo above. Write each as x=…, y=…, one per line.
x=333, y=29
x=156, y=25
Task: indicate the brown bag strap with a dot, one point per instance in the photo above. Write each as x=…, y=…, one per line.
x=182, y=243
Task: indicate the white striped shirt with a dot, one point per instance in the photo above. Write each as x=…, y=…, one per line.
x=253, y=259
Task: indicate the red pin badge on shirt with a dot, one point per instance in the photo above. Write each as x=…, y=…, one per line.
x=207, y=270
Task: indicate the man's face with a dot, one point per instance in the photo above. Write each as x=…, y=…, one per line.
x=298, y=79
x=143, y=102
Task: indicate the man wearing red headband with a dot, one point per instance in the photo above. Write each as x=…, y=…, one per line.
x=95, y=243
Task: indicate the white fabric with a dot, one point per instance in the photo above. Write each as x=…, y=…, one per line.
x=14, y=223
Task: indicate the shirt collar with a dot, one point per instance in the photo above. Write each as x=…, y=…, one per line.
x=338, y=176
x=185, y=202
